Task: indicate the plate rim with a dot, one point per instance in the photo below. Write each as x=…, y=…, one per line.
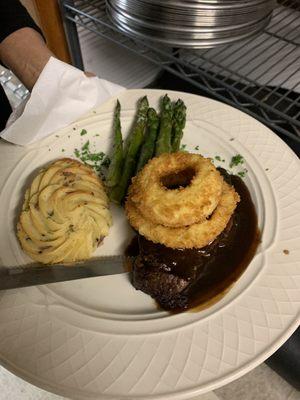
x=215, y=382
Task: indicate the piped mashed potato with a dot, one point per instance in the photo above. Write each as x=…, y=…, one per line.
x=65, y=214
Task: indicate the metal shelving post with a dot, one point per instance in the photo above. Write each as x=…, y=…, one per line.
x=71, y=34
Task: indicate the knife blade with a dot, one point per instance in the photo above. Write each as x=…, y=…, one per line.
x=39, y=274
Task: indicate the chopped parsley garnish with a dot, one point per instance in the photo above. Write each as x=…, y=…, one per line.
x=95, y=156
x=86, y=146
x=62, y=150
x=183, y=147
x=83, y=132
x=98, y=161
x=242, y=173
x=218, y=158
x=197, y=148
x=106, y=162
x=236, y=160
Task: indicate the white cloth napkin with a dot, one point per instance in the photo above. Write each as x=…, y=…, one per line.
x=61, y=95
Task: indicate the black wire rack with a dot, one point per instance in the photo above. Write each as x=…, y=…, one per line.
x=260, y=75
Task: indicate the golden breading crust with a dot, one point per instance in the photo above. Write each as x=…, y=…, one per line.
x=181, y=206
x=194, y=236
x=65, y=213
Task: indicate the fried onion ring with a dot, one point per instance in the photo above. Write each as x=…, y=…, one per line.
x=182, y=203
x=194, y=236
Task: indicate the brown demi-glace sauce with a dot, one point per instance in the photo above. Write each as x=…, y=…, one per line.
x=211, y=270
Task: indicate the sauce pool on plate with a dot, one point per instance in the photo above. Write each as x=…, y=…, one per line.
x=181, y=279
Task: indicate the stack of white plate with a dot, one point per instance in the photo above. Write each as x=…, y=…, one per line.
x=191, y=23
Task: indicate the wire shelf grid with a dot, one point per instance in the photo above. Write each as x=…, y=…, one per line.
x=259, y=75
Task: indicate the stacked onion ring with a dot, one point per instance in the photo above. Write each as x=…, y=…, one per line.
x=65, y=214
x=180, y=200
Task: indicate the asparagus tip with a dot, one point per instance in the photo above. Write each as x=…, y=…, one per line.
x=144, y=100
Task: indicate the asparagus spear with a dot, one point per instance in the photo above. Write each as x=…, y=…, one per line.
x=115, y=167
x=142, y=108
x=136, y=138
x=148, y=146
x=163, y=144
x=179, y=119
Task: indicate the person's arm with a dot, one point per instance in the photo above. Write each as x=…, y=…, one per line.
x=22, y=48
x=25, y=53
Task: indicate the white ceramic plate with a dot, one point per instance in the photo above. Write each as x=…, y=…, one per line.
x=100, y=338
